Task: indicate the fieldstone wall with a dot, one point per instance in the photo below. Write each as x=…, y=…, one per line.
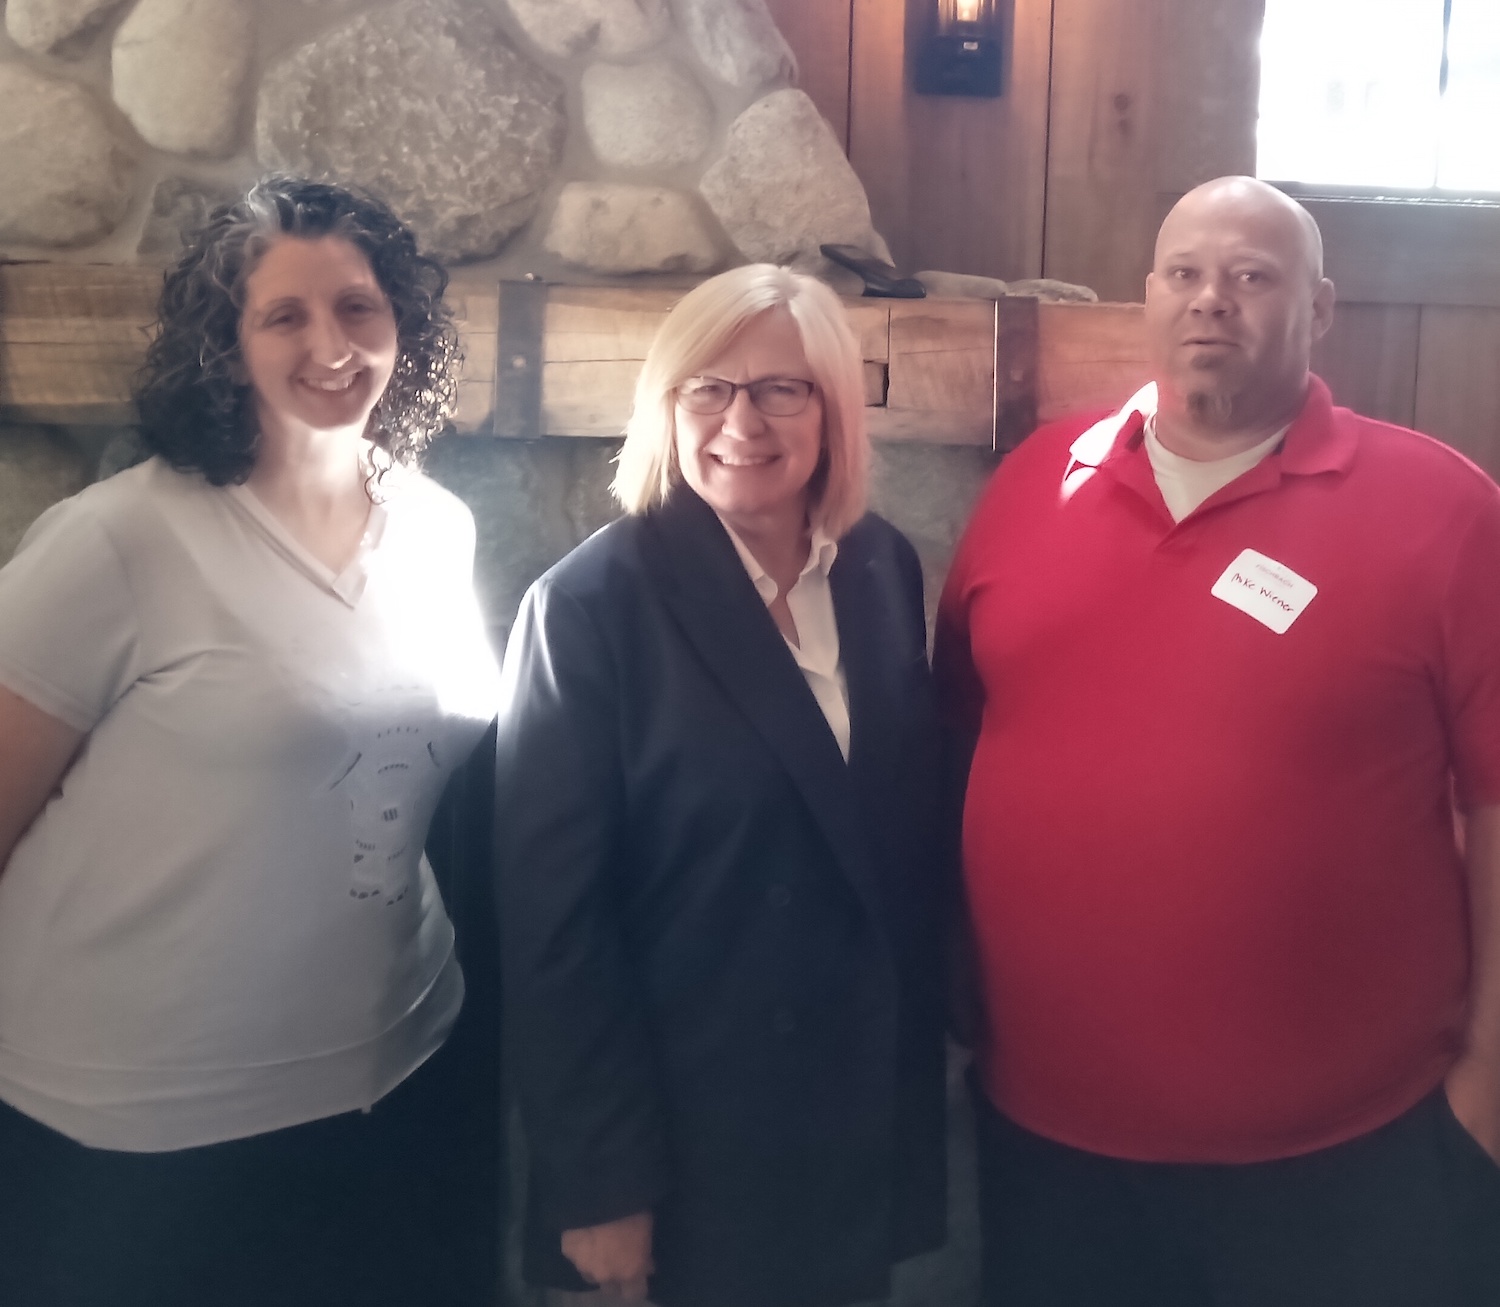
x=572, y=139
x=533, y=500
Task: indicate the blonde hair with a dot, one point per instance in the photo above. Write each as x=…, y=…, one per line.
x=701, y=326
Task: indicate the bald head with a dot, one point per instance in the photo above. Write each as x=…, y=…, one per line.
x=1242, y=198
x=1235, y=300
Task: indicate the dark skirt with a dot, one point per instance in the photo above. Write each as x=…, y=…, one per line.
x=387, y=1208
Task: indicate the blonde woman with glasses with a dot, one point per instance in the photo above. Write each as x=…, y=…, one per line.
x=719, y=867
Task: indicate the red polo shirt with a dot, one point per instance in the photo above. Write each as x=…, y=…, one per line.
x=1217, y=904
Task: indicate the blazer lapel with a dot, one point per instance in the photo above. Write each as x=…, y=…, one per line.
x=865, y=651
x=705, y=587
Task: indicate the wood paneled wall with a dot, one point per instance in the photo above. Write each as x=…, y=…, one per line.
x=1068, y=173
x=955, y=184
x=1112, y=109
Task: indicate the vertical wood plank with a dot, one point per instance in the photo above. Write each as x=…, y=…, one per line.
x=1101, y=164
x=819, y=33
x=1369, y=360
x=1458, y=381
x=879, y=135
x=1016, y=347
x=1149, y=98
x=955, y=183
x=1208, y=91
x=518, y=365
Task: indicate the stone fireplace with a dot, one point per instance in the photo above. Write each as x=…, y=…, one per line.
x=566, y=138
x=606, y=142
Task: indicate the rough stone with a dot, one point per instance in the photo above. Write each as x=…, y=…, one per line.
x=783, y=186
x=179, y=69
x=1049, y=288
x=37, y=468
x=66, y=173
x=738, y=41
x=616, y=29
x=611, y=227
x=533, y=501
x=425, y=102
x=179, y=205
x=962, y=285
x=645, y=116
x=42, y=26
x=121, y=450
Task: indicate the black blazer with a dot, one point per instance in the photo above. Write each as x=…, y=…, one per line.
x=720, y=942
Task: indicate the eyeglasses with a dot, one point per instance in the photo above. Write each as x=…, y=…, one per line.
x=777, y=397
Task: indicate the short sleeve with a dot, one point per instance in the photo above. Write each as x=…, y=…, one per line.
x=67, y=620
x=1471, y=658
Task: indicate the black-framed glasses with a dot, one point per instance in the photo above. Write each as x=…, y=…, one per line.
x=777, y=397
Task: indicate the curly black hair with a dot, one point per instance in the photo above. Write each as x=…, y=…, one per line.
x=195, y=407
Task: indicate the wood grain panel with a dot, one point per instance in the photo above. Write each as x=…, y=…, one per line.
x=1207, y=65
x=596, y=322
x=1458, y=381
x=819, y=33
x=871, y=322
x=955, y=183
x=942, y=373
x=475, y=302
x=1411, y=252
x=1369, y=360
x=591, y=398
x=1149, y=98
x=1101, y=162
x=1088, y=356
x=71, y=337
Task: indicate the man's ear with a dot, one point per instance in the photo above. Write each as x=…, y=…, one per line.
x=1323, y=300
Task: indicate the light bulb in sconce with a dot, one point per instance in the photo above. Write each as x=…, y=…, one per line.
x=961, y=55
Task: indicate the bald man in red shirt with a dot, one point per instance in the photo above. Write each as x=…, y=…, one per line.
x=1227, y=654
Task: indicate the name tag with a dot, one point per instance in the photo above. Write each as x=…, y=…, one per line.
x=1268, y=591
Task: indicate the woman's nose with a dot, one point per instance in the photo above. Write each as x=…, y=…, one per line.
x=328, y=342
x=742, y=418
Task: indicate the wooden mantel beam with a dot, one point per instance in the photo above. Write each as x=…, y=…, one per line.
x=945, y=371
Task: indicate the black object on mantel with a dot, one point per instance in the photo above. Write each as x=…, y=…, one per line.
x=882, y=281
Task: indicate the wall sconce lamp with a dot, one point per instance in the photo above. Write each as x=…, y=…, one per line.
x=960, y=54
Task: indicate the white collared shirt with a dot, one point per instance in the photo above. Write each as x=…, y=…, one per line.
x=817, y=649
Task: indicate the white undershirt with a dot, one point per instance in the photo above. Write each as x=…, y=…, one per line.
x=1185, y=483
x=817, y=648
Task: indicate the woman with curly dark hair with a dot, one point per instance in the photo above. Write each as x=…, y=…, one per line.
x=233, y=680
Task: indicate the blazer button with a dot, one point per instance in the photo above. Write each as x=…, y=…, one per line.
x=779, y=896
x=783, y=1023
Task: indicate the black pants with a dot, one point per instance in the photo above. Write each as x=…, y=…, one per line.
x=1406, y=1216
x=396, y=1207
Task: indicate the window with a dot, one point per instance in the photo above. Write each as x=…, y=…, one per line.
x=1394, y=94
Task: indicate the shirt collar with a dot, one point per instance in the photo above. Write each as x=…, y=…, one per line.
x=1314, y=442
x=820, y=557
